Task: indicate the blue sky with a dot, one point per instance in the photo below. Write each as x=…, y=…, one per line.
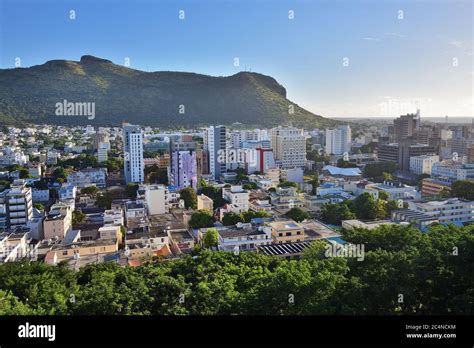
x=396, y=60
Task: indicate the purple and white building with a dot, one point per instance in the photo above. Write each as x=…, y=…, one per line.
x=183, y=169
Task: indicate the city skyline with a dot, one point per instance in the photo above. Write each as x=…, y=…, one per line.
x=350, y=59
x=218, y=160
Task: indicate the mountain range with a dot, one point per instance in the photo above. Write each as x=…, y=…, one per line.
x=160, y=99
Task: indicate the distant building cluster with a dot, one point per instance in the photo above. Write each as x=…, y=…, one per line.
x=127, y=194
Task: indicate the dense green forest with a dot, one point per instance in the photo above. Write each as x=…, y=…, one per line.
x=404, y=271
x=165, y=98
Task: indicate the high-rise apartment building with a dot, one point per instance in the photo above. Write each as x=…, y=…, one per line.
x=215, y=143
x=133, y=153
x=18, y=204
x=183, y=169
x=289, y=146
x=338, y=141
x=407, y=126
x=265, y=160
x=237, y=137
x=102, y=152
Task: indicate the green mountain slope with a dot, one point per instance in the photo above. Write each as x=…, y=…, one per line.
x=148, y=98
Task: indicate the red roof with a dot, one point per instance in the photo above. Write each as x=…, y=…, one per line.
x=164, y=251
x=134, y=263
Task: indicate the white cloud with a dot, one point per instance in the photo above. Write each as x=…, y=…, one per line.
x=371, y=39
x=395, y=35
x=456, y=43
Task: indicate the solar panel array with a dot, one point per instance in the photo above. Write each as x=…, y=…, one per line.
x=285, y=248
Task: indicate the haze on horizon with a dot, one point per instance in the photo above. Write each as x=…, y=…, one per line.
x=350, y=58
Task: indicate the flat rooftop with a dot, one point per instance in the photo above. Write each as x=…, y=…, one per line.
x=92, y=243
x=314, y=226
x=239, y=232
x=285, y=225
x=180, y=236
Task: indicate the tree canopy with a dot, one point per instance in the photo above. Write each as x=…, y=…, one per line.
x=288, y=184
x=341, y=163
x=297, y=214
x=90, y=190
x=463, y=189
x=334, y=213
x=211, y=238
x=189, y=196
x=215, y=194
x=246, y=216
x=201, y=218
x=376, y=170
x=433, y=271
x=78, y=217
x=364, y=207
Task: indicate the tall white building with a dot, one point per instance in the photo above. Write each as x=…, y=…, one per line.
x=183, y=169
x=102, y=152
x=19, y=203
x=239, y=136
x=236, y=139
x=289, y=146
x=215, y=143
x=156, y=197
x=422, y=164
x=133, y=153
x=338, y=140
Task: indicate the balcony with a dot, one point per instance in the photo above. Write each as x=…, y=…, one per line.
x=17, y=207
x=18, y=214
x=16, y=201
x=17, y=221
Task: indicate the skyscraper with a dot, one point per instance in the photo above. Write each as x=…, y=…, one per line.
x=407, y=126
x=215, y=145
x=338, y=141
x=289, y=146
x=133, y=153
